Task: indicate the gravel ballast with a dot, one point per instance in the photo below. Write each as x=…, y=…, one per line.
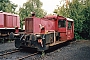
x=76, y=50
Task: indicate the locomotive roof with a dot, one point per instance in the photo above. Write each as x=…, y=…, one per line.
x=69, y=19
x=8, y=13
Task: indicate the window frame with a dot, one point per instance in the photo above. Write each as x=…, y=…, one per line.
x=69, y=25
x=61, y=23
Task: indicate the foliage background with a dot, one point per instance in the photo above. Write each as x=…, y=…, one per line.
x=7, y=6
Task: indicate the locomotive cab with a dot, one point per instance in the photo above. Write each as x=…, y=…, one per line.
x=66, y=28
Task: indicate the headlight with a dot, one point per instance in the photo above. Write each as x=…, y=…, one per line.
x=38, y=36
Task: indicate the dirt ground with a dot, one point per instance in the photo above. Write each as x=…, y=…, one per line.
x=75, y=50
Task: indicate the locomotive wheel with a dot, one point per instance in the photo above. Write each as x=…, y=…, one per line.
x=3, y=40
x=11, y=36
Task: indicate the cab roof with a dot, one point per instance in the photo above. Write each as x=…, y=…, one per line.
x=69, y=19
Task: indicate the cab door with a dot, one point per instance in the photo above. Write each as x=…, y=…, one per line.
x=62, y=29
x=70, y=31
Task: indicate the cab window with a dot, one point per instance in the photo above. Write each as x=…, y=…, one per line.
x=69, y=25
x=61, y=23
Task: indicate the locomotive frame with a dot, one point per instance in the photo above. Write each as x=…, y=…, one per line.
x=41, y=33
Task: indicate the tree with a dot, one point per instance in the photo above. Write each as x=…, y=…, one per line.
x=86, y=23
x=75, y=12
x=7, y=6
x=31, y=6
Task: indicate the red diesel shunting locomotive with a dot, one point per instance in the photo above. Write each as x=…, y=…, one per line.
x=41, y=33
x=8, y=22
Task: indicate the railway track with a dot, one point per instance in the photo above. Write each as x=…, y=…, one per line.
x=10, y=51
x=21, y=58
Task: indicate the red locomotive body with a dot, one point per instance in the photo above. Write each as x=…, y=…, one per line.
x=41, y=33
x=8, y=22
